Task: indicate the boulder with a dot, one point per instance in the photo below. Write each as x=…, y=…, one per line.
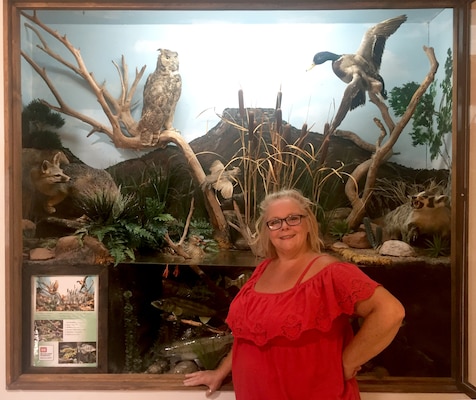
x=396, y=248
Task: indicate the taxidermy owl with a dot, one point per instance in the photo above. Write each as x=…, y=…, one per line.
x=161, y=93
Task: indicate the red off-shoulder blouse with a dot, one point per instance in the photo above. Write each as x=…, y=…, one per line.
x=288, y=345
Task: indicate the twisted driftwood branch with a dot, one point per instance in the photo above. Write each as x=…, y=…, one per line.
x=118, y=112
x=383, y=151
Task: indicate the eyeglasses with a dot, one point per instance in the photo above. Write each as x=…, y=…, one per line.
x=291, y=220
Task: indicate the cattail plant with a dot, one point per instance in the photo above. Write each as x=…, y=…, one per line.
x=270, y=160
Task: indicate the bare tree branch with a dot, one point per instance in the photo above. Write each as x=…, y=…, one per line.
x=384, y=150
x=123, y=130
x=187, y=222
x=63, y=107
x=117, y=111
x=356, y=139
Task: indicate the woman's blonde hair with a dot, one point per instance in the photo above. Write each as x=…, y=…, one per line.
x=263, y=241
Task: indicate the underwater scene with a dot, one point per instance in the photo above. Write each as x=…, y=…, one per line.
x=149, y=139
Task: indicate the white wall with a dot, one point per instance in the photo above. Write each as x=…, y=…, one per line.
x=85, y=395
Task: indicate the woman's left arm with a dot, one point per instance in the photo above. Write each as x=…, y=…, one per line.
x=383, y=315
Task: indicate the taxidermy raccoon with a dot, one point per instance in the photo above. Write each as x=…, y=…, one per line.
x=57, y=180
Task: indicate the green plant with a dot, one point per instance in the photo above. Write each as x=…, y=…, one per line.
x=431, y=122
x=125, y=224
x=154, y=219
x=37, y=121
x=324, y=220
x=438, y=246
x=375, y=239
x=133, y=360
x=198, y=227
x=202, y=228
x=339, y=228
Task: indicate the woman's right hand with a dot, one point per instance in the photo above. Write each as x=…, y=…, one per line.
x=210, y=378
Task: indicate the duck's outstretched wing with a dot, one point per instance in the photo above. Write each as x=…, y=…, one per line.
x=373, y=42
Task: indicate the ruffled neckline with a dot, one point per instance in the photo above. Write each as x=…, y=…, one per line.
x=298, y=285
x=311, y=305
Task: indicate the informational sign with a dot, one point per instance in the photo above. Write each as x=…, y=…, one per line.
x=64, y=321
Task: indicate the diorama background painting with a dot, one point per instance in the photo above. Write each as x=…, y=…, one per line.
x=260, y=52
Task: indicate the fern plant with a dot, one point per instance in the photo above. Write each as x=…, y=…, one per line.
x=125, y=224
x=155, y=220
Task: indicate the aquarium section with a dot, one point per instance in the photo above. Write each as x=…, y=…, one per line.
x=177, y=324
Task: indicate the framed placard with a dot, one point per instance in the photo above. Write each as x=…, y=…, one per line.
x=66, y=316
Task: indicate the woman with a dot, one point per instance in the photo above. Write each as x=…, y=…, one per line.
x=290, y=321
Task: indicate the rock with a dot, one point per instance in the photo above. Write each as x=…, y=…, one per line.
x=87, y=250
x=41, y=254
x=158, y=367
x=336, y=246
x=241, y=244
x=396, y=248
x=357, y=240
x=184, y=367
x=28, y=228
x=67, y=244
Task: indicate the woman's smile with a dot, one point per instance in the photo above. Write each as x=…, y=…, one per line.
x=287, y=236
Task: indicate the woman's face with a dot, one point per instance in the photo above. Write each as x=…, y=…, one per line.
x=289, y=238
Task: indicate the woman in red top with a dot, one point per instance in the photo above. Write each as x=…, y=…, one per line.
x=290, y=321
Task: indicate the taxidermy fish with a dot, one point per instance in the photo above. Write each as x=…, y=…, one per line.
x=179, y=306
x=192, y=349
x=238, y=282
x=174, y=288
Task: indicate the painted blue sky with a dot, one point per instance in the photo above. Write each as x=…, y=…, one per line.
x=222, y=52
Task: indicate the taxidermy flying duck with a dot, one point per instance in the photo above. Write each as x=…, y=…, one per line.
x=361, y=70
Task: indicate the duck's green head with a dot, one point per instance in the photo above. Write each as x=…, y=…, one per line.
x=324, y=56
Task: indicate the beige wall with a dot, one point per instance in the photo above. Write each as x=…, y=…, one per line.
x=194, y=395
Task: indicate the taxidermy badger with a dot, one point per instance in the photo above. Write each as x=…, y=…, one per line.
x=424, y=215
